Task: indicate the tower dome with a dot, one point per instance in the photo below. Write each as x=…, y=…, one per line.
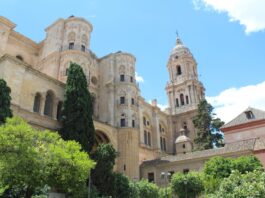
x=183, y=143
x=180, y=48
x=182, y=138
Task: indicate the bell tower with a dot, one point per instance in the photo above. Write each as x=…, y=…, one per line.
x=184, y=90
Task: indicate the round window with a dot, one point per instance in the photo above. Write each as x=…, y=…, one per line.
x=94, y=80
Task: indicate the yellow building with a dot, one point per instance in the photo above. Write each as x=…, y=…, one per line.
x=139, y=131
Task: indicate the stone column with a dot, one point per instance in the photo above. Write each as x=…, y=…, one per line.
x=42, y=103
x=54, y=108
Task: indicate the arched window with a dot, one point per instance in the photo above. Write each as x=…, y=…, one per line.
x=179, y=72
x=19, y=57
x=83, y=48
x=182, y=99
x=36, y=105
x=71, y=45
x=48, y=104
x=177, y=102
x=187, y=99
x=71, y=40
x=133, y=123
x=59, y=110
x=123, y=122
x=144, y=121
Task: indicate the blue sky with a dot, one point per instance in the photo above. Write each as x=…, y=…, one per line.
x=230, y=55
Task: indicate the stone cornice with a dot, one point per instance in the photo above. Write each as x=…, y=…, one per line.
x=28, y=67
x=7, y=22
x=117, y=54
x=53, y=24
x=27, y=41
x=80, y=19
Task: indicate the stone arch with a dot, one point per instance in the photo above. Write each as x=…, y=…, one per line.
x=106, y=133
x=84, y=39
x=122, y=69
x=146, y=119
x=101, y=138
x=132, y=71
x=122, y=93
x=71, y=37
x=49, y=101
x=163, y=129
x=36, y=104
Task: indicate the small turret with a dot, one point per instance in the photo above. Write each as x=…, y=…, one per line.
x=183, y=143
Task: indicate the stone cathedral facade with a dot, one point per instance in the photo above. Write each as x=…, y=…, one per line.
x=139, y=131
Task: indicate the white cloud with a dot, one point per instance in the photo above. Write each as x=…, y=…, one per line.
x=233, y=101
x=249, y=13
x=162, y=106
x=138, y=78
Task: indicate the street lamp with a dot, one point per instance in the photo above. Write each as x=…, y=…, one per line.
x=185, y=183
x=165, y=176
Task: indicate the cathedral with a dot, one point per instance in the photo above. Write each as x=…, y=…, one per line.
x=148, y=140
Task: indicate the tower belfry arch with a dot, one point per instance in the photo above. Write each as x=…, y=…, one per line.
x=184, y=90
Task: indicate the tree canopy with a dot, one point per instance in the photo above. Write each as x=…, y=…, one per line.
x=5, y=101
x=147, y=189
x=187, y=185
x=250, y=184
x=77, y=111
x=207, y=127
x=31, y=159
x=102, y=175
x=218, y=168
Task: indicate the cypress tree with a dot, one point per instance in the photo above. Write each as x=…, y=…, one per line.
x=77, y=111
x=208, y=127
x=5, y=101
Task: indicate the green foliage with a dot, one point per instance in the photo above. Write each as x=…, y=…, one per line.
x=31, y=159
x=187, y=185
x=121, y=186
x=77, y=110
x=218, y=168
x=165, y=192
x=246, y=164
x=251, y=184
x=102, y=175
x=208, y=127
x=134, y=192
x=146, y=189
x=5, y=101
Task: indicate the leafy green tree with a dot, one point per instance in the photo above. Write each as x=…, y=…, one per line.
x=102, y=176
x=246, y=164
x=218, y=168
x=147, y=189
x=5, y=101
x=251, y=184
x=187, y=185
x=134, y=192
x=31, y=159
x=165, y=192
x=207, y=127
x=77, y=111
x=121, y=186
